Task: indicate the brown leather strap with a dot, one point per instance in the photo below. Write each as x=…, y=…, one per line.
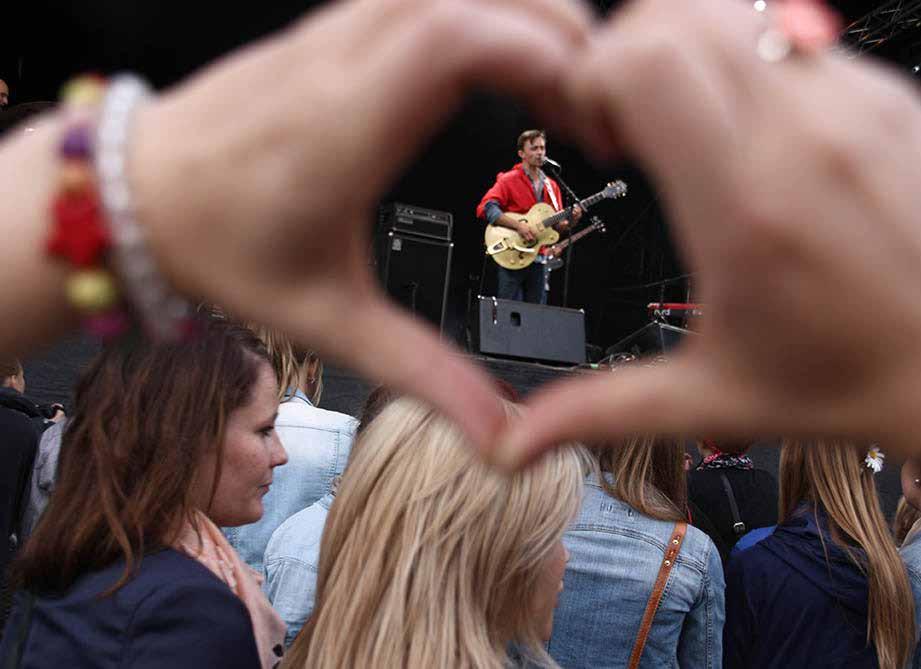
x=671, y=554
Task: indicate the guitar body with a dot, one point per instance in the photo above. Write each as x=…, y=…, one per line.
x=508, y=248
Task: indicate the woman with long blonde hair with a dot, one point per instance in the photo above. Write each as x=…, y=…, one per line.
x=827, y=588
x=431, y=558
x=621, y=541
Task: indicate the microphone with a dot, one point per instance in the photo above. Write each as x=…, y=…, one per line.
x=549, y=162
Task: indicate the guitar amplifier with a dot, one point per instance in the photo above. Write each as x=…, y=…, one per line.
x=415, y=271
x=515, y=329
x=416, y=221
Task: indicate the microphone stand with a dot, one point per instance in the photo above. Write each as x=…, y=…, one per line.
x=568, y=253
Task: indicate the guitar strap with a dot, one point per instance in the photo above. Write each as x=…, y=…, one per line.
x=549, y=188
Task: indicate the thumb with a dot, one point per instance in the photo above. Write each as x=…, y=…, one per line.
x=670, y=398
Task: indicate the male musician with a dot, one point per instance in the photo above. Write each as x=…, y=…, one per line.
x=514, y=193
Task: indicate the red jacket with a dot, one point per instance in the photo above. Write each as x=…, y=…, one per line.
x=515, y=194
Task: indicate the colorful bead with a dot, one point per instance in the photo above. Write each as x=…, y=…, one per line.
x=85, y=91
x=76, y=175
x=79, y=234
x=77, y=142
x=92, y=290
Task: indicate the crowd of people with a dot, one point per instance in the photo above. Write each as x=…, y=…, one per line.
x=451, y=527
x=386, y=541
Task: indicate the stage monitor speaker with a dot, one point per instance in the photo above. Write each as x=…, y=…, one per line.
x=531, y=331
x=651, y=339
x=415, y=271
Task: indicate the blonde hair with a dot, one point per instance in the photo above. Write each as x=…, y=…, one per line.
x=289, y=362
x=649, y=476
x=430, y=557
x=833, y=475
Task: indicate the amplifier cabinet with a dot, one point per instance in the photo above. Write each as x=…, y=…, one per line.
x=416, y=272
x=515, y=329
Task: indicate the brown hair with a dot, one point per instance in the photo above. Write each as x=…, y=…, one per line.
x=377, y=399
x=530, y=136
x=144, y=417
x=9, y=367
x=832, y=475
x=649, y=476
x=905, y=517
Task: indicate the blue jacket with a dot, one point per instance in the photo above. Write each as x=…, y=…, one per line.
x=292, y=560
x=615, y=556
x=174, y=613
x=911, y=556
x=787, y=607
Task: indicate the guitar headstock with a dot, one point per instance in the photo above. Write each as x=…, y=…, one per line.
x=615, y=189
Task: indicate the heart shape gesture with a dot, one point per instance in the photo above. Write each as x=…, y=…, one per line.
x=792, y=188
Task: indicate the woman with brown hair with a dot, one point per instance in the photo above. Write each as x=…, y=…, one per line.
x=430, y=558
x=127, y=567
x=631, y=531
x=827, y=588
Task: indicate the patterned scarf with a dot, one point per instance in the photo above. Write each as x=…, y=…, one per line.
x=720, y=460
x=211, y=548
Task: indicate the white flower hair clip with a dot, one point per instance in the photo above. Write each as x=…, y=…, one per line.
x=874, y=459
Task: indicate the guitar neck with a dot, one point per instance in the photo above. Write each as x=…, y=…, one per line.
x=572, y=239
x=561, y=216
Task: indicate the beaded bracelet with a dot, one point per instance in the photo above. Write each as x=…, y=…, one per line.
x=95, y=227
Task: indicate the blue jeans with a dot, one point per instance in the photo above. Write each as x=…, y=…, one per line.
x=523, y=285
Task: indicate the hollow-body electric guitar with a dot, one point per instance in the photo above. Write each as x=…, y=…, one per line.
x=511, y=251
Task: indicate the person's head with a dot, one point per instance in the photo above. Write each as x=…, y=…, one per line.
x=296, y=368
x=419, y=521
x=833, y=476
x=649, y=475
x=905, y=517
x=158, y=431
x=12, y=374
x=4, y=94
x=532, y=147
x=377, y=399
x=708, y=447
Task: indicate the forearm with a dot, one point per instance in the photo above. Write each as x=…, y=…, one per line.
x=510, y=221
x=32, y=301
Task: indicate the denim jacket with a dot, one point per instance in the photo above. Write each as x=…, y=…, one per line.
x=911, y=556
x=318, y=443
x=616, y=554
x=291, y=562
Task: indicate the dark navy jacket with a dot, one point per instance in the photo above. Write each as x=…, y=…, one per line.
x=173, y=614
x=786, y=607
